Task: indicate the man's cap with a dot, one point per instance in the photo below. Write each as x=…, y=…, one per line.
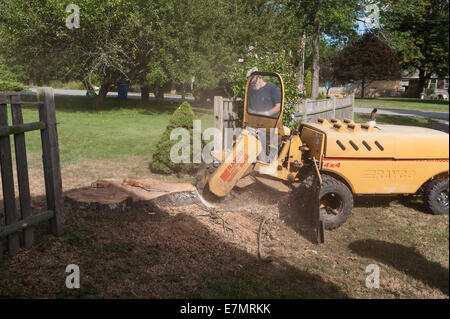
x=255, y=69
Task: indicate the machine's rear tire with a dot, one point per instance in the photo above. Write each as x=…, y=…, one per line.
x=436, y=196
x=336, y=202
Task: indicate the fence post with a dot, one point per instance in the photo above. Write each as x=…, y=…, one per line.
x=218, y=123
x=22, y=170
x=334, y=106
x=50, y=158
x=9, y=197
x=353, y=106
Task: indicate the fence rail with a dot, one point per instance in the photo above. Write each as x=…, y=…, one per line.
x=225, y=116
x=18, y=225
x=338, y=108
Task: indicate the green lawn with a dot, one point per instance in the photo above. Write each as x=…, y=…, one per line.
x=396, y=120
x=122, y=128
x=404, y=104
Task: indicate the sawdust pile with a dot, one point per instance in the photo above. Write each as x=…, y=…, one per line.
x=237, y=220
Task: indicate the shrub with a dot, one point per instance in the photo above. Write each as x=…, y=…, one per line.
x=430, y=91
x=308, y=83
x=161, y=163
x=321, y=96
x=11, y=71
x=71, y=85
x=10, y=86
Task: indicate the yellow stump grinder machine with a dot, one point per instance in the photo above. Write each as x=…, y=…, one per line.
x=346, y=158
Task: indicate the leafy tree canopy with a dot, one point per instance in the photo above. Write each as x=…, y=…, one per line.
x=368, y=59
x=419, y=31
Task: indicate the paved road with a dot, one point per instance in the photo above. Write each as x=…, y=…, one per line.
x=432, y=115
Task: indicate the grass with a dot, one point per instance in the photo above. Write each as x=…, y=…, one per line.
x=396, y=120
x=404, y=104
x=121, y=129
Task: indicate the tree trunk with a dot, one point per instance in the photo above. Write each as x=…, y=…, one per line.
x=183, y=93
x=35, y=79
x=315, y=55
x=145, y=93
x=99, y=101
x=424, y=78
x=363, y=87
x=159, y=94
x=85, y=84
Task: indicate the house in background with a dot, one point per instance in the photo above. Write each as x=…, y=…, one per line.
x=410, y=83
x=406, y=86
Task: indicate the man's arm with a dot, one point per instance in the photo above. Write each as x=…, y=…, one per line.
x=276, y=109
x=276, y=100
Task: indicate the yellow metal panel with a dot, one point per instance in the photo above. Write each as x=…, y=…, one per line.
x=236, y=164
x=385, y=141
x=384, y=176
x=314, y=139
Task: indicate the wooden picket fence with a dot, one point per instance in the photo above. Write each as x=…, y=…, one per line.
x=16, y=230
x=339, y=108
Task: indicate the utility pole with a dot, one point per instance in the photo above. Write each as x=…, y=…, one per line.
x=303, y=63
x=301, y=78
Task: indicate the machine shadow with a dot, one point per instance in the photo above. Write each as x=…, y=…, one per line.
x=404, y=259
x=298, y=211
x=368, y=201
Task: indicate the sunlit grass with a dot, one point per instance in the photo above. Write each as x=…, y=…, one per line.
x=404, y=104
x=121, y=128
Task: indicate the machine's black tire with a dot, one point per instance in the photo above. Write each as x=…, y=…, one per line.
x=337, y=198
x=436, y=196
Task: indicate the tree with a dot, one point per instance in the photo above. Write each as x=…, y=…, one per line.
x=183, y=46
x=366, y=60
x=335, y=20
x=162, y=42
x=419, y=31
x=35, y=32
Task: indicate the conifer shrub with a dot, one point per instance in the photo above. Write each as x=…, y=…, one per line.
x=10, y=86
x=161, y=163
